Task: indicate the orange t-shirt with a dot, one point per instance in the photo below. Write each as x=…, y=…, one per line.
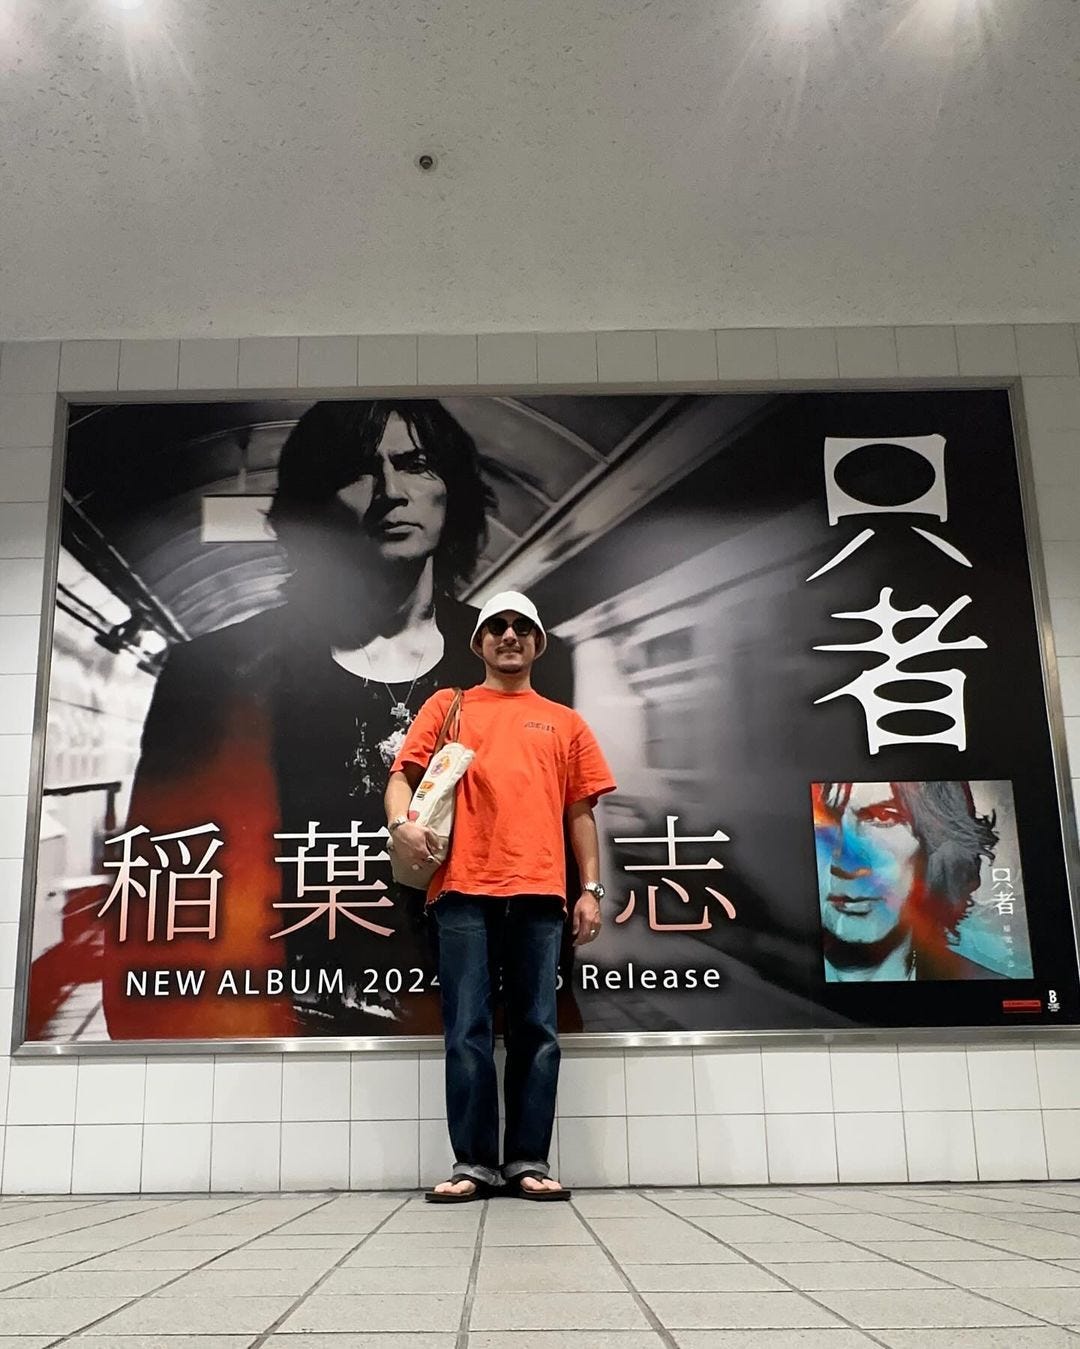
x=534, y=759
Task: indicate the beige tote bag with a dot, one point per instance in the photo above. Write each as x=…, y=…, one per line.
x=433, y=800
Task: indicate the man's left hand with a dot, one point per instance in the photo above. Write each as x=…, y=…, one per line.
x=586, y=918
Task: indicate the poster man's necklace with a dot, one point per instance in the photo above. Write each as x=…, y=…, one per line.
x=399, y=709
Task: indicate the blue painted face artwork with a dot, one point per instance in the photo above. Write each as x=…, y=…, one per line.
x=867, y=856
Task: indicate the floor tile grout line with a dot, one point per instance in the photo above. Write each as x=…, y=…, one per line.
x=988, y=1294
x=984, y=1294
x=126, y=1245
x=916, y=1191
x=262, y=1337
x=981, y=1294
x=31, y=1241
x=1003, y=1202
x=149, y=1292
x=733, y=1194
x=764, y=1269
x=666, y=1337
x=465, y=1321
x=104, y=1222
x=973, y=1190
x=1051, y=1261
x=838, y=1205
x=1018, y=1221
x=774, y=1213
x=822, y=1235
x=913, y=1221
x=1032, y=1207
x=944, y=1236
x=12, y=1222
x=85, y=1202
x=152, y=1292
x=254, y=1199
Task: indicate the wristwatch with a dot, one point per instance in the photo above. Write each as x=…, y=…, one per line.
x=595, y=888
x=396, y=823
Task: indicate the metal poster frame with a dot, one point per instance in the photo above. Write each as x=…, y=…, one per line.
x=856, y=1036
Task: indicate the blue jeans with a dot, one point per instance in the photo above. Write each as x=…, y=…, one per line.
x=481, y=938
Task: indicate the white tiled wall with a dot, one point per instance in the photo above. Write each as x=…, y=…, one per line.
x=678, y=1117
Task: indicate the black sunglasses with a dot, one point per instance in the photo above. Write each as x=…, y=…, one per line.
x=524, y=627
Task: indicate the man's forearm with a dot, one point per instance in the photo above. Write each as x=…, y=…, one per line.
x=399, y=794
x=584, y=841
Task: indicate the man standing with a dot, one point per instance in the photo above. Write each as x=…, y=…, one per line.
x=499, y=899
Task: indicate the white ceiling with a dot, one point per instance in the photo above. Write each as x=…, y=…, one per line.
x=247, y=166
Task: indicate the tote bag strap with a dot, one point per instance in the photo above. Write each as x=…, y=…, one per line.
x=451, y=723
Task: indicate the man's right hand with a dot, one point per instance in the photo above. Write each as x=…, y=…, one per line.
x=414, y=844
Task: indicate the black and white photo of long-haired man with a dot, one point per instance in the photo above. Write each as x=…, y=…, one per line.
x=382, y=511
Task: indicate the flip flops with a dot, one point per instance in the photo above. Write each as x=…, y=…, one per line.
x=481, y=1191
x=514, y=1187
x=539, y=1196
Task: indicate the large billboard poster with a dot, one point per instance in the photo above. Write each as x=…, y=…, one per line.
x=802, y=626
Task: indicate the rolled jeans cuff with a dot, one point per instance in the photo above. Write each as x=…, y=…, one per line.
x=484, y=1174
x=512, y=1169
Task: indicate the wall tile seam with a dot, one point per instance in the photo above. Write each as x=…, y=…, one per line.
x=295, y=384
x=789, y=1154
x=47, y=1120
x=654, y=377
x=835, y=1128
x=693, y=1080
x=626, y=1117
x=956, y=345
x=43, y=385
x=84, y=1062
x=831, y=332
x=893, y=1050
x=174, y=342
x=595, y=333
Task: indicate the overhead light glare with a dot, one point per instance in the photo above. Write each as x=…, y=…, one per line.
x=127, y=4
x=937, y=16
x=791, y=16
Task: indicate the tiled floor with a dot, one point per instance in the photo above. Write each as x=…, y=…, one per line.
x=919, y=1267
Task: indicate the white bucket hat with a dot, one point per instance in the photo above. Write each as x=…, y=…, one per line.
x=511, y=601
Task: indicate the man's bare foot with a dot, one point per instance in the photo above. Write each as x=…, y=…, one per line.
x=537, y=1183
x=463, y=1185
